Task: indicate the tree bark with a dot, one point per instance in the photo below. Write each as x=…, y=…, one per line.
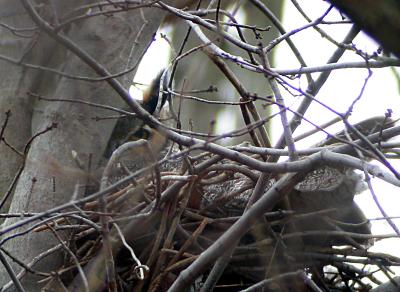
x=380, y=19
x=112, y=40
x=199, y=76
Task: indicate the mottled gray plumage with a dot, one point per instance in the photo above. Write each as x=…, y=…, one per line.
x=322, y=189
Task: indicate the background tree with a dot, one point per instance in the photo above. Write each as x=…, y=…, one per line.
x=49, y=40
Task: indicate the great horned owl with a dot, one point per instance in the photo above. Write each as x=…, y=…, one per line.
x=330, y=188
x=324, y=215
x=322, y=189
x=334, y=188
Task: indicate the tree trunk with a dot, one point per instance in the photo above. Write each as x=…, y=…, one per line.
x=199, y=76
x=112, y=40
